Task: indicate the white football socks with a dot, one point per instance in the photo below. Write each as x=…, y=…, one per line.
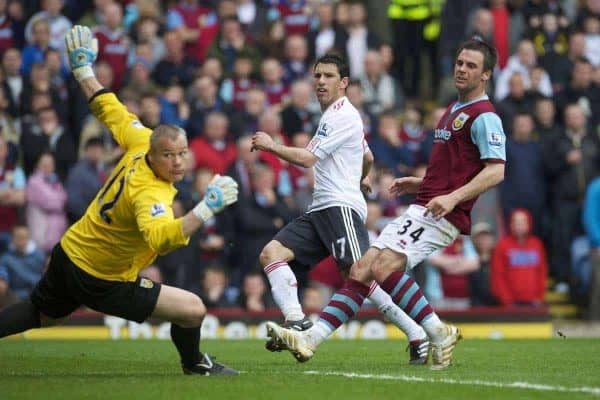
x=284, y=288
x=435, y=328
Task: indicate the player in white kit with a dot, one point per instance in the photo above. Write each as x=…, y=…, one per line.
x=334, y=222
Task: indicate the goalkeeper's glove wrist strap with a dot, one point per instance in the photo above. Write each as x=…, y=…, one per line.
x=82, y=73
x=202, y=211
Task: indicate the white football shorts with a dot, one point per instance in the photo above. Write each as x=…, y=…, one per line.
x=416, y=235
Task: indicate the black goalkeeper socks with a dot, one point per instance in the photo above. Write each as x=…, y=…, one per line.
x=19, y=318
x=187, y=341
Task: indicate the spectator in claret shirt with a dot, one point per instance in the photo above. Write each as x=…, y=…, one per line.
x=519, y=266
x=213, y=149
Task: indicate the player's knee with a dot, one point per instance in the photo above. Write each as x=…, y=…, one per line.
x=384, y=266
x=195, y=312
x=272, y=252
x=360, y=271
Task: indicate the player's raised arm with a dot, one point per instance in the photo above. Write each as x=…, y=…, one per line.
x=82, y=50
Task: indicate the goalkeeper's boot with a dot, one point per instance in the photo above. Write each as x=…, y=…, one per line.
x=292, y=339
x=419, y=351
x=299, y=325
x=441, y=352
x=208, y=366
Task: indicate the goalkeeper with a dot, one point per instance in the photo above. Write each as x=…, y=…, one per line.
x=126, y=226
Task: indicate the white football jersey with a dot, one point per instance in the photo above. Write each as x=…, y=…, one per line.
x=339, y=146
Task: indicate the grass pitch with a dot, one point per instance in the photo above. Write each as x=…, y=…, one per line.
x=148, y=369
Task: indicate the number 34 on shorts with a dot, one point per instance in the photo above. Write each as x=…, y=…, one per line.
x=416, y=236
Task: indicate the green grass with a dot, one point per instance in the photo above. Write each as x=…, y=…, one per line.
x=148, y=369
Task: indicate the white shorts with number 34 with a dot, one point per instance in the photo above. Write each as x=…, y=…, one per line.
x=416, y=235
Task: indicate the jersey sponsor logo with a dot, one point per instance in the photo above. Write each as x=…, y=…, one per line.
x=157, y=209
x=146, y=283
x=137, y=124
x=322, y=130
x=442, y=134
x=495, y=139
x=459, y=121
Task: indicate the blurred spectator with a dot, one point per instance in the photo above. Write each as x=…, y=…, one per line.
x=243, y=166
x=591, y=221
x=9, y=128
x=482, y=25
x=245, y=121
x=408, y=20
x=582, y=90
x=295, y=15
x=13, y=82
x=21, y=266
x=380, y=90
x=253, y=16
x=196, y=24
x=7, y=30
x=588, y=8
x=113, y=43
x=174, y=110
x=58, y=73
x=213, y=149
x=298, y=116
x=484, y=242
x=455, y=263
x=360, y=39
x=234, y=90
x=94, y=15
x=150, y=110
x=545, y=121
x=313, y=300
x=388, y=148
x=213, y=287
x=522, y=62
x=147, y=34
x=328, y=36
x=518, y=100
x=85, y=178
x=59, y=24
x=302, y=178
x=375, y=221
x=559, y=67
x=39, y=83
x=295, y=62
x=259, y=218
x=212, y=67
x=519, y=266
x=48, y=134
x=275, y=88
x=177, y=66
x=46, y=200
x=254, y=296
x=591, y=28
x=571, y=159
x=203, y=99
x=355, y=94
x=12, y=194
x=231, y=42
x=524, y=184
x=412, y=132
x=549, y=37
x=34, y=52
x=182, y=267
x=138, y=78
x=272, y=42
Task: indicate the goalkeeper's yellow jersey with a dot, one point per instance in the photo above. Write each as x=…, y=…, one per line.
x=131, y=219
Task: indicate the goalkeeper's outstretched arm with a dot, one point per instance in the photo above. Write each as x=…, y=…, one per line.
x=82, y=50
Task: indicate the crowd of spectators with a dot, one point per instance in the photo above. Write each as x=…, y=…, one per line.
x=225, y=69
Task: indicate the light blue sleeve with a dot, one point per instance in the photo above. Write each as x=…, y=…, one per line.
x=469, y=251
x=174, y=20
x=488, y=135
x=591, y=212
x=19, y=180
x=226, y=92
